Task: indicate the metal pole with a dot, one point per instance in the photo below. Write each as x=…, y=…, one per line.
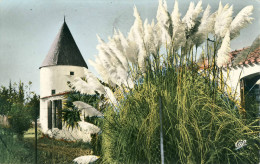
x=35, y=125
x=161, y=132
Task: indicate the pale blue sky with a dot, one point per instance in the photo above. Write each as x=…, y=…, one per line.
x=28, y=28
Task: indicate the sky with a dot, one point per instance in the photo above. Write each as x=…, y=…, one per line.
x=28, y=28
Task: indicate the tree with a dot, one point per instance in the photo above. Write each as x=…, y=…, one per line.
x=19, y=106
x=19, y=119
x=5, y=104
x=34, y=106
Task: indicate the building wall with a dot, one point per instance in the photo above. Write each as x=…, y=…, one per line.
x=54, y=78
x=235, y=74
x=44, y=111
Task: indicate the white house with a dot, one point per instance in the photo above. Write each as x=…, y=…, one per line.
x=244, y=72
x=63, y=62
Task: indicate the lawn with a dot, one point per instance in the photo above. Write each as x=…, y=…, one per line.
x=48, y=150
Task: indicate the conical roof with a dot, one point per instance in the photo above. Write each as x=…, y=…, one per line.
x=64, y=50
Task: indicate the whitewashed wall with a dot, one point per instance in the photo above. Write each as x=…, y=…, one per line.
x=54, y=78
x=44, y=112
x=235, y=74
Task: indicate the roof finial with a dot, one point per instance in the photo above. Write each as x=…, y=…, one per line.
x=64, y=19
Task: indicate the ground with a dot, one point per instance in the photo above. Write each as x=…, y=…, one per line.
x=49, y=150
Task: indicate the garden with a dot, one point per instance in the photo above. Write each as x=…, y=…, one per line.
x=162, y=97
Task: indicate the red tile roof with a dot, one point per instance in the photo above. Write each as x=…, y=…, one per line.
x=253, y=57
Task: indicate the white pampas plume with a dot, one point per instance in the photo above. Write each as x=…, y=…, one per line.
x=156, y=35
x=99, y=68
x=89, y=86
x=135, y=38
x=192, y=14
x=164, y=4
x=136, y=31
x=198, y=9
x=136, y=35
x=103, y=66
x=85, y=159
x=132, y=52
x=109, y=60
x=149, y=37
x=130, y=83
x=122, y=39
x=220, y=7
x=206, y=26
x=80, y=85
x=141, y=58
x=88, y=127
x=93, y=82
x=176, y=15
x=105, y=57
x=204, y=19
x=164, y=22
x=241, y=20
x=178, y=34
x=188, y=16
x=223, y=53
x=223, y=20
x=86, y=109
x=118, y=48
x=110, y=95
x=121, y=76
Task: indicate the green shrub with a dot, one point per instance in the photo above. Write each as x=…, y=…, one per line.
x=19, y=119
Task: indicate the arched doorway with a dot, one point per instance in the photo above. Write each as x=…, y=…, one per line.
x=250, y=94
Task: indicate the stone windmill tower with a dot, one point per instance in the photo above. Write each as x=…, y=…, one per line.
x=62, y=62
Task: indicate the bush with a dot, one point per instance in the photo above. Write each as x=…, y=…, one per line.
x=19, y=119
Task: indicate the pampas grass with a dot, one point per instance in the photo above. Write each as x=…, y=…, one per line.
x=223, y=20
x=223, y=52
x=196, y=127
x=157, y=60
x=241, y=20
x=200, y=122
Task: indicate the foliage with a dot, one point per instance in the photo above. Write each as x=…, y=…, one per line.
x=71, y=114
x=19, y=119
x=13, y=150
x=16, y=103
x=18, y=94
x=34, y=106
x=49, y=150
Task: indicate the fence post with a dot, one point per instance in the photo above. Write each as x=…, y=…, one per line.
x=35, y=126
x=161, y=131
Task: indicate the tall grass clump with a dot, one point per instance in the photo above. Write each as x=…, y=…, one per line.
x=169, y=99
x=196, y=127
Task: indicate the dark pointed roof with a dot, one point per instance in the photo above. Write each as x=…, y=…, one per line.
x=64, y=50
